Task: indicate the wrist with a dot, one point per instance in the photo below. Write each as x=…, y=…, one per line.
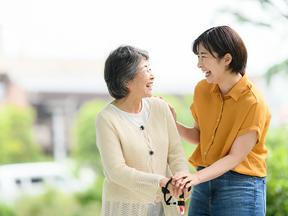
x=163, y=182
x=198, y=179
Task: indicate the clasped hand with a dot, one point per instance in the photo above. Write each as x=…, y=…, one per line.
x=182, y=183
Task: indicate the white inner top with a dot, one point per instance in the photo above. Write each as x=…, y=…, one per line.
x=138, y=119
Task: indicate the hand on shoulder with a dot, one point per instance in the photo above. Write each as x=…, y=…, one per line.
x=172, y=109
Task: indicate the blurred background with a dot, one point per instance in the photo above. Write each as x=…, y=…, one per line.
x=52, y=57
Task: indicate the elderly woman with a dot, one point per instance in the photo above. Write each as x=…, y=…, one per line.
x=137, y=139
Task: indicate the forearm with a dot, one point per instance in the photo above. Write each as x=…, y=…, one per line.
x=211, y=172
x=163, y=182
x=143, y=183
x=114, y=164
x=239, y=151
x=218, y=168
x=190, y=134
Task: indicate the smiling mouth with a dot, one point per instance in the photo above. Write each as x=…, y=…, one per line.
x=207, y=73
x=149, y=85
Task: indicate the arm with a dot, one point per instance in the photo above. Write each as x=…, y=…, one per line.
x=176, y=157
x=190, y=134
x=245, y=140
x=239, y=151
x=115, y=167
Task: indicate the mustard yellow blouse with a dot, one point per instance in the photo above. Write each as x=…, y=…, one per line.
x=221, y=119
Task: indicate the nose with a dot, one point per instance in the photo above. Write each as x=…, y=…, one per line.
x=152, y=76
x=199, y=63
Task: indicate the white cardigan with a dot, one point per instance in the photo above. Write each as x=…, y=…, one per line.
x=132, y=175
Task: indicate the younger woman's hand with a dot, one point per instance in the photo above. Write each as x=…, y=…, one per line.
x=184, y=180
x=173, y=111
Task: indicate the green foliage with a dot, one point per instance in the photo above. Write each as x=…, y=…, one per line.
x=272, y=13
x=281, y=67
x=93, y=194
x=56, y=204
x=277, y=184
x=17, y=143
x=85, y=149
x=88, y=203
x=182, y=104
x=6, y=211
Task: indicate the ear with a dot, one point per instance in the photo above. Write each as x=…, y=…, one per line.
x=227, y=58
x=128, y=85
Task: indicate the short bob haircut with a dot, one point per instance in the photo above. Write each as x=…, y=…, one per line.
x=121, y=67
x=222, y=40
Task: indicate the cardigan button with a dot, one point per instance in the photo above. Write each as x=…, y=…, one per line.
x=151, y=152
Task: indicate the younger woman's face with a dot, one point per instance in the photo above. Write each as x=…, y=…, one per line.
x=212, y=67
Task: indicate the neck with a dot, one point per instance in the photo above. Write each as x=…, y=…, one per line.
x=128, y=104
x=230, y=80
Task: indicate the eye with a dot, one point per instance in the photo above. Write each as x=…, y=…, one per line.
x=147, y=68
x=202, y=56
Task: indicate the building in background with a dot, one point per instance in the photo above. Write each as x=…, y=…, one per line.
x=56, y=89
x=11, y=93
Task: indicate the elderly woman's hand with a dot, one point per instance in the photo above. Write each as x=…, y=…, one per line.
x=184, y=180
x=173, y=190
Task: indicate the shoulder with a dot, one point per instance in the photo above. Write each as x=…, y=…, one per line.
x=155, y=102
x=254, y=100
x=105, y=114
x=203, y=90
x=254, y=96
x=203, y=85
x=157, y=106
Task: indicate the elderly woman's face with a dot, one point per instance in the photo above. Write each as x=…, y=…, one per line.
x=142, y=84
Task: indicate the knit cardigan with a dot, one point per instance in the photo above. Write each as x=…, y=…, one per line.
x=132, y=172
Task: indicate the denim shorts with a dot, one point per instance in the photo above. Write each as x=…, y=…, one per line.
x=231, y=194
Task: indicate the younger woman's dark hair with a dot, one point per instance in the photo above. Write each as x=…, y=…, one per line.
x=222, y=40
x=121, y=67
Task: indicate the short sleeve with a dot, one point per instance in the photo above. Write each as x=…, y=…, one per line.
x=193, y=108
x=194, y=113
x=254, y=120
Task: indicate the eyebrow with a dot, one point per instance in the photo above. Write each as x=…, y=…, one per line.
x=201, y=53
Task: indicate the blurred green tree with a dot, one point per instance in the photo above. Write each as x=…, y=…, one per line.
x=6, y=210
x=85, y=150
x=181, y=104
x=53, y=203
x=277, y=184
x=17, y=141
x=273, y=12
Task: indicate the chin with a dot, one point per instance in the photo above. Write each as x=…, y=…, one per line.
x=211, y=81
x=148, y=94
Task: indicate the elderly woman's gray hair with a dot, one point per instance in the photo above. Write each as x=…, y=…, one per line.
x=121, y=67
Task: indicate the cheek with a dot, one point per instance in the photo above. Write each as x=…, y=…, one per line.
x=139, y=84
